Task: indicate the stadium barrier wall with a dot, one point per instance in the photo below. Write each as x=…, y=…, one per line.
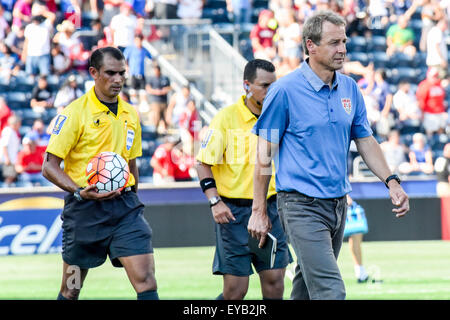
x=179, y=215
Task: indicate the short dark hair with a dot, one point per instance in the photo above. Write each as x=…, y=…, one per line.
x=253, y=65
x=96, y=58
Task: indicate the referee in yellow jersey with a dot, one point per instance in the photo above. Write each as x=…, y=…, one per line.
x=225, y=166
x=99, y=225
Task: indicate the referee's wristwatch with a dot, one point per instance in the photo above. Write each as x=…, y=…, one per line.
x=392, y=177
x=77, y=194
x=213, y=201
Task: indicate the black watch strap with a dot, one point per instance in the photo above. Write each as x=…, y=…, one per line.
x=392, y=177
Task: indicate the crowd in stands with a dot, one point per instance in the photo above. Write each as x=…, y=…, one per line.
x=397, y=51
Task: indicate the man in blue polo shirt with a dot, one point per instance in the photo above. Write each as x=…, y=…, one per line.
x=309, y=118
x=135, y=55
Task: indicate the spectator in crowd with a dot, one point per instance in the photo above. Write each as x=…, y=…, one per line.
x=67, y=93
x=97, y=35
x=110, y=9
x=123, y=27
x=395, y=153
x=41, y=96
x=378, y=14
x=165, y=9
x=15, y=40
x=9, y=148
x=29, y=163
x=179, y=102
x=262, y=35
x=4, y=26
x=374, y=84
x=136, y=55
x=170, y=163
x=9, y=63
x=420, y=155
x=61, y=63
x=36, y=53
x=400, y=38
x=406, y=105
x=240, y=10
x=356, y=214
x=431, y=97
x=289, y=38
x=64, y=37
x=21, y=13
x=190, y=9
x=39, y=135
x=442, y=168
x=437, y=54
x=431, y=12
x=5, y=113
x=158, y=87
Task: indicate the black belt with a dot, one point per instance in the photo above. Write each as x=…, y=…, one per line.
x=245, y=202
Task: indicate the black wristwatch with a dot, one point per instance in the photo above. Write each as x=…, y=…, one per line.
x=213, y=201
x=395, y=177
x=77, y=195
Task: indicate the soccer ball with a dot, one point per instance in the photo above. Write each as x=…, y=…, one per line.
x=108, y=171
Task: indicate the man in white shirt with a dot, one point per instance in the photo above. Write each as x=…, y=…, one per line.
x=437, y=54
x=9, y=148
x=405, y=103
x=38, y=35
x=123, y=27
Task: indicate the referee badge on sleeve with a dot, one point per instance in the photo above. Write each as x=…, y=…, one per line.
x=59, y=124
x=207, y=138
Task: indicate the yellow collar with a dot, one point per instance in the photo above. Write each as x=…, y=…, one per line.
x=245, y=111
x=97, y=107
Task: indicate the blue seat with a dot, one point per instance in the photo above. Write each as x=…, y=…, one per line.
x=261, y=4
x=22, y=84
x=377, y=43
x=359, y=56
x=400, y=59
x=145, y=169
x=380, y=59
x=215, y=4
x=17, y=100
x=357, y=44
x=403, y=73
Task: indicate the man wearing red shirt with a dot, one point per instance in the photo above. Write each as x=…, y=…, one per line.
x=29, y=163
x=431, y=96
x=262, y=37
x=170, y=163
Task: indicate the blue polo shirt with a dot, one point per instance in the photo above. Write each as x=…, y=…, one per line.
x=136, y=59
x=313, y=126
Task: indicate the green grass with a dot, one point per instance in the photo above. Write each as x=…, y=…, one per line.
x=409, y=270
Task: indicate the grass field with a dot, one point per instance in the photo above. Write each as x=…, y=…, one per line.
x=409, y=270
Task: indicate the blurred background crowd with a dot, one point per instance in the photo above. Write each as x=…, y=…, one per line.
x=397, y=52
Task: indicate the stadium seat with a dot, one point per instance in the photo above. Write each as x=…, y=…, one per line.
x=148, y=134
x=261, y=4
x=245, y=48
x=4, y=86
x=357, y=44
x=403, y=73
x=18, y=100
x=359, y=56
x=53, y=83
x=360, y=168
x=215, y=4
x=23, y=84
x=380, y=59
x=145, y=169
x=29, y=116
x=400, y=59
x=377, y=43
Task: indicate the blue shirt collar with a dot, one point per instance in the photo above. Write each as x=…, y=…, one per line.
x=313, y=78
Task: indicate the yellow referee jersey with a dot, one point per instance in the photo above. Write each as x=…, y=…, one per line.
x=230, y=148
x=86, y=127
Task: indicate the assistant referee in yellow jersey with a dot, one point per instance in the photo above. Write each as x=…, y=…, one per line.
x=99, y=225
x=225, y=168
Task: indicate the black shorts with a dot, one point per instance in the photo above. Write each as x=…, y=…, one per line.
x=138, y=82
x=232, y=254
x=94, y=229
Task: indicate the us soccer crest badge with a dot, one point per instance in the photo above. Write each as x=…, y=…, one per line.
x=347, y=104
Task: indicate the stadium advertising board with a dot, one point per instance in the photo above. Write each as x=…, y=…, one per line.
x=31, y=226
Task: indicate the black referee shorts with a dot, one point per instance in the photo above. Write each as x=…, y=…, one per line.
x=93, y=230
